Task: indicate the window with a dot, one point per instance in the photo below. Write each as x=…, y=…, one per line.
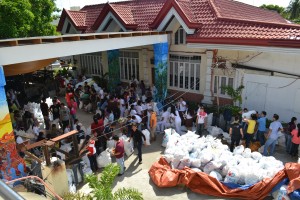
x=180, y=36
x=220, y=81
x=92, y=64
x=129, y=65
x=184, y=72
x=68, y=28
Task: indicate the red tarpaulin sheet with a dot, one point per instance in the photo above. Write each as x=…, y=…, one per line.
x=163, y=175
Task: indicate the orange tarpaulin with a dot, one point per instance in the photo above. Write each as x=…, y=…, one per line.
x=163, y=175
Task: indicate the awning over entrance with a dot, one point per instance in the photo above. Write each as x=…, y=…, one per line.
x=24, y=55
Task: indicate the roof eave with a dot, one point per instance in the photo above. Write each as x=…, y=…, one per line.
x=107, y=8
x=165, y=9
x=288, y=43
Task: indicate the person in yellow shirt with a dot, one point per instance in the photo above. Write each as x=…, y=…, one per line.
x=252, y=126
x=153, y=123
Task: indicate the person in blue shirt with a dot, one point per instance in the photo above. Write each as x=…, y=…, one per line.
x=272, y=136
x=260, y=136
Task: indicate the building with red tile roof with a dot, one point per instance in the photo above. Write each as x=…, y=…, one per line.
x=217, y=21
x=212, y=43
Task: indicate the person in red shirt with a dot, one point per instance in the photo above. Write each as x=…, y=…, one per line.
x=118, y=152
x=92, y=155
x=295, y=140
x=97, y=131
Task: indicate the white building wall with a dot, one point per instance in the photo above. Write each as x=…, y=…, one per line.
x=273, y=94
x=278, y=62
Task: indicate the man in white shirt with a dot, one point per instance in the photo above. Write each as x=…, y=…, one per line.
x=139, y=108
x=138, y=120
x=165, y=120
x=182, y=105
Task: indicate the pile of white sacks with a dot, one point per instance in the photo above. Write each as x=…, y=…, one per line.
x=209, y=155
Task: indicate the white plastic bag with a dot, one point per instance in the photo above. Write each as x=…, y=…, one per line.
x=247, y=153
x=282, y=194
x=196, y=163
x=72, y=189
x=256, y=155
x=165, y=140
x=206, y=157
x=251, y=178
x=212, y=165
x=238, y=150
x=104, y=159
x=185, y=162
x=128, y=146
x=232, y=175
x=147, y=136
x=216, y=175
x=111, y=144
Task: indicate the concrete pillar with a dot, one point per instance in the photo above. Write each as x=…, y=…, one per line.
x=7, y=140
x=146, y=75
x=161, y=57
x=113, y=69
x=207, y=91
x=56, y=176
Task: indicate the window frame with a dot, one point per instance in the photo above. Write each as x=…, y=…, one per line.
x=191, y=65
x=92, y=63
x=220, y=85
x=180, y=34
x=131, y=60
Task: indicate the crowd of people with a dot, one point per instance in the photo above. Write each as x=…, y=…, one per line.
x=252, y=126
x=131, y=110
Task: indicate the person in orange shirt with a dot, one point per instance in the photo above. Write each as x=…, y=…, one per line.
x=295, y=140
x=153, y=123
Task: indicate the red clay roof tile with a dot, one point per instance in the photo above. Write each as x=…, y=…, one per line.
x=219, y=19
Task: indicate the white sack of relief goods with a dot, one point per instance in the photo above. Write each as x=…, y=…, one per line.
x=282, y=194
x=216, y=175
x=252, y=177
x=147, y=136
x=104, y=159
x=238, y=150
x=216, y=131
x=206, y=157
x=196, y=169
x=111, y=144
x=256, y=155
x=196, y=163
x=169, y=158
x=281, y=139
x=209, y=119
x=248, y=114
x=261, y=149
x=212, y=165
x=128, y=146
x=232, y=175
x=166, y=138
x=247, y=153
x=185, y=162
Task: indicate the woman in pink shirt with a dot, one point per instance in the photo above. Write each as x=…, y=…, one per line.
x=295, y=140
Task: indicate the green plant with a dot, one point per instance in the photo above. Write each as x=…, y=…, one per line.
x=235, y=94
x=102, y=187
x=235, y=110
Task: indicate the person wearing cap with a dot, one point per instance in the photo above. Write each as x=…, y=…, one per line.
x=92, y=154
x=235, y=132
x=138, y=136
x=118, y=152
